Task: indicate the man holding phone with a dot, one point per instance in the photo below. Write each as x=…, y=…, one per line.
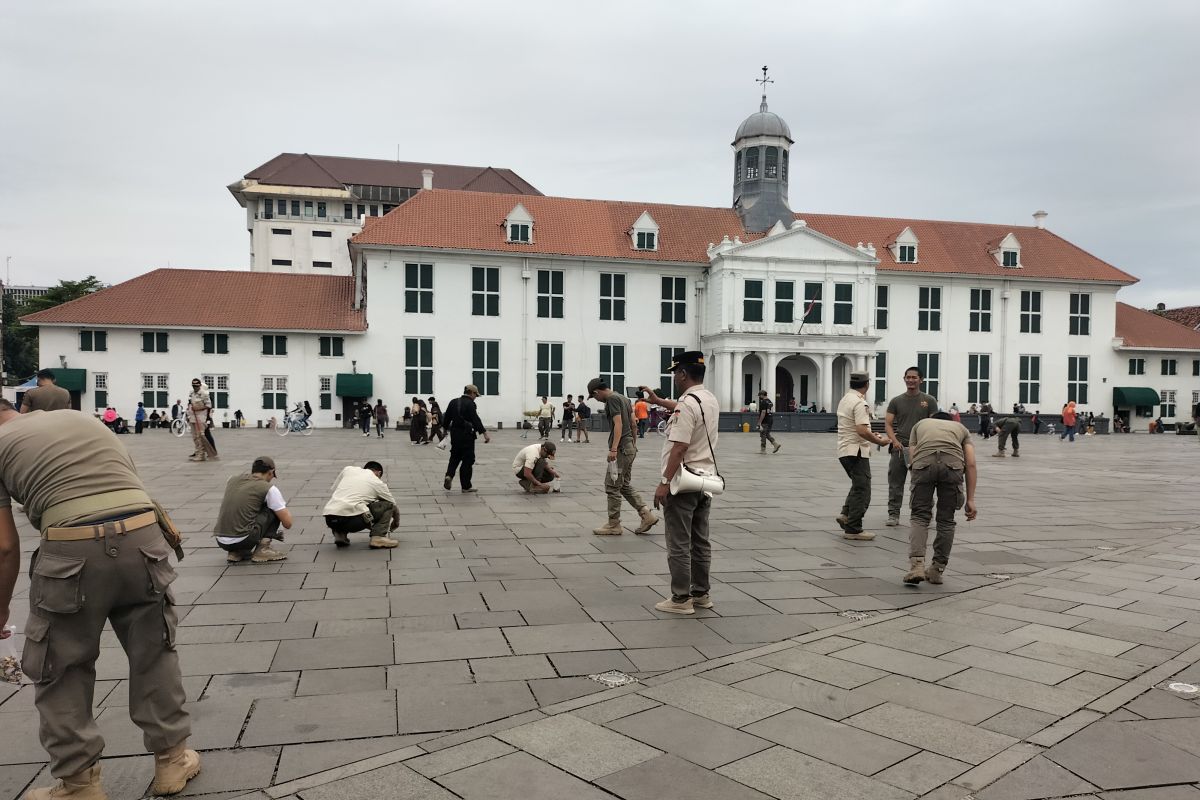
x=622, y=450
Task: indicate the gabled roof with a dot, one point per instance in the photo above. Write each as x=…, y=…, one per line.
x=217, y=299
x=336, y=172
x=1145, y=329
x=1187, y=315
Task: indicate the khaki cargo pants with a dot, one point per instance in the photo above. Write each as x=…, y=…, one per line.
x=622, y=485
x=946, y=481
x=75, y=588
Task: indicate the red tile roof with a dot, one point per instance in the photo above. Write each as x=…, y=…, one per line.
x=336, y=172
x=1146, y=329
x=1187, y=315
x=455, y=220
x=201, y=298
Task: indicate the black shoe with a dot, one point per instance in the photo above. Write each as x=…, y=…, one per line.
x=446, y=483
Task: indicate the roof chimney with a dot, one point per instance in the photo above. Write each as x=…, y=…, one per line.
x=1162, y=306
x=1039, y=218
x=426, y=179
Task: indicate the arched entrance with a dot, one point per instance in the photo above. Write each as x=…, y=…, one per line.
x=796, y=378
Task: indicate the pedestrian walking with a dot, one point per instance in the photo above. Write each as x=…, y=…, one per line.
x=622, y=450
x=985, y=421
x=942, y=454
x=46, y=396
x=1036, y=419
x=854, y=441
x=766, y=421
x=365, y=415
x=545, y=418
x=139, y=418
x=176, y=410
x=903, y=411
x=361, y=501
x=199, y=413
x=102, y=559
x=1006, y=427
x=583, y=416
x=689, y=444
x=1068, y=420
x=462, y=420
x=381, y=417
x=436, y=429
x=533, y=470
x=252, y=511
x=641, y=413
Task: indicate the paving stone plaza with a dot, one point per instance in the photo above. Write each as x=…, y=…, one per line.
x=457, y=665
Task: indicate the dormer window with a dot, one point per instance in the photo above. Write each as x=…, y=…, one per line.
x=644, y=233
x=646, y=240
x=904, y=247
x=519, y=225
x=1007, y=252
x=1011, y=258
x=518, y=232
x=908, y=254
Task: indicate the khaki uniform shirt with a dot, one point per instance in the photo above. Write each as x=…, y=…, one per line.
x=49, y=397
x=851, y=412
x=49, y=457
x=686, y=424
x=945, y=436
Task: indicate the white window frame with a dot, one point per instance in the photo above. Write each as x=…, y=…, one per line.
x=418, y=291
x=486, y=376
x=1031, y=318
x=1137, y=366
x=979, y=378
x=674, y=300
x=486, y=300
x=760, y=300
x=1077, y=386
x=325, y=392
x=980, y=315
x=520, y=232
x=218, y=389
x=883, y=291
x=1079, y=320
x=930, y=365
x=551, y=301
x=276, y=387
x=548, y=380
x=160, y=384
x=666, y=378
x=785, y=307
x=645, y=240
x=614, y=378
x=1170, y=366
x=1029, y=383
x=1166, y=403
x=614, y=298
x=276, y=339
x=929, y=309
x=843, y=306
x=415, y=373
x=909, y=250
x=341, y=345
x=880, y=377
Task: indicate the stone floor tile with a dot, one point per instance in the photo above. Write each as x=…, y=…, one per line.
x=618, y=707
x=832, y=742
x=429, y=673
x=310, y=719
x=760, y=628
x=589, y=662
x=696, y=739
x=561, y=638
x=299, y=760
x=233, y=770
x=549, y=691
x=732, y=673
x=940, y=700
x=1177, y=792
x=489, y=619
x=1123, y=667
x=898, y=661
x=511, y=668
x=664, y=633
x=825, y=669
x=1105, y=646
x=1113, y=755
x=667, y=776
x=1019, y=722
x=15, y=778
x=518, y=776
x=716, y=701
x=216, y=659
x=789, y=775
x=902, y=640
x=1008, y=664
x=417, y=646
x=662, y=659
x=1035, y=778
x=922, y=773
x=459, y=757
x=256, y=685
x=818, y=698
x=1051, y=699
x=340, y=681
x=453, y=707
x=394, y=782
x=943, y=736
x=1161, y=704
x=577, y=746
x=1182, y=732
x=333, y=652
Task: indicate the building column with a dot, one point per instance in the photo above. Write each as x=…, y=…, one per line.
x=771, y=361
x=735, y=380
x=860, y=363
x=716, y=375
x=827, y=381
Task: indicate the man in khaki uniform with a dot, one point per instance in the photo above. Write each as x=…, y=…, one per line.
x=854, y=440
x=622, y=450
x=941, y=452
x=46, y=396
x=102, y=558
x=199, y=409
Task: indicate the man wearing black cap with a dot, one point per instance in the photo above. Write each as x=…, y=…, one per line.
x=462, y=420
x=533, y=470
x=855, y=438
x=622, y=450
x=691, y=436
x=252, y=511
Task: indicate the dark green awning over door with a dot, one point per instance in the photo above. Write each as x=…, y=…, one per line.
x=73, y=380
x=354, y=384
x=1134, y=396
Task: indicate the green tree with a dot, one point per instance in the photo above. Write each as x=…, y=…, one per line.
x=21, y=341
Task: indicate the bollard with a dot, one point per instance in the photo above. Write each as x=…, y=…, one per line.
x=745, y=427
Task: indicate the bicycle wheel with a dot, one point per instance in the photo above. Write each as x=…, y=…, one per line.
x=308, y=428
x=178, y=427
x=284, y=427
x=662, y=428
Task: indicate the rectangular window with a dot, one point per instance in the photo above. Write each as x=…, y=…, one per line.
x=612, y=366
x=981, y=311
x=518, y=232
x=752, y=303
x=1195, y=367
x=362, y=210
x=281, y=231
x=929, y=309
x=843, y=304
x=1166, y=409
x=155, y=390
x=549, y=369
x=418, y=367
x=646, y=240
x=979, y=374
x=1030, y=385
x=1169, y=366
x=322, y=265
x=1077, y=379
x=154, y=342
x=295, y=208
x=348, y=211
x=274, y=393
x=785, y=301
x=1031, y=312
x=281, y=207
x=322, y=234
x=308, y=208
x=674, y=300
x=215, y=343
x=485, y=365
x=101, y=386
x=666, y=378
x=218, y=389
x=268, y=207
x=812, y=304
x=1081, y=314
x=485, y=291
x=321, y=210
x=93, y=341
x=881, y=307
x=281, y=262
x=612, y=296
x=274, y=345
x=325, y=392
x=881, y=378
x=908, y=253
x=374, y=210
x=550, y=294
x=330, y=346
x=1010, y=258
x=930, y=365
x=418, y=288
x=1137, y=366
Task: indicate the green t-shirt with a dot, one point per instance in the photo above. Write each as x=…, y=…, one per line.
x=618, y=406
x=908, y=410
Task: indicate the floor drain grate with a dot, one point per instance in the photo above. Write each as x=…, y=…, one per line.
x=999, y=576
x=855, y=615
x=1184, y=689
x=613, y=678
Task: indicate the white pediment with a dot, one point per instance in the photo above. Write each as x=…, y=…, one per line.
x=519, y=214
x=801, y=243
x=906, y=236
x=645, y=223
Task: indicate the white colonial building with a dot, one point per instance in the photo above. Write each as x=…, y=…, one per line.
x=525, y=295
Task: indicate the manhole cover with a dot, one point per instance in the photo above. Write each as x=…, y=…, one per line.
x=613, y=678
x=1185, y=689
x=999, y=576
x=855, y=615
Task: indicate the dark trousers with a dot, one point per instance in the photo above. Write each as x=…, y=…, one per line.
x=897, y=474
x=541, y=473
x=544, y=427
x=642, y=425
x=689, y=554
x=859, y=496
x=462, y=456
x=946, y=481
x=764, y=434
x=1015, y=440
x=266, y=526
x=378, y=520
x=137, y=426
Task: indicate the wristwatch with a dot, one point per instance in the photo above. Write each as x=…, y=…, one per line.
x=665, y=481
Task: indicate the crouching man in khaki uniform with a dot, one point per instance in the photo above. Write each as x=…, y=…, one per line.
x=102, y=558
x=942, y=454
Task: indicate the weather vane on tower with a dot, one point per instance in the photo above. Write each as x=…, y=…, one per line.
x=764, y=80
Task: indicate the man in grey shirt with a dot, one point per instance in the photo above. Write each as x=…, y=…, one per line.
x=904, y=411
x=622, y=450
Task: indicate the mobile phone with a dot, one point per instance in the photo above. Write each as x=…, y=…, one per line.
x=633, y=393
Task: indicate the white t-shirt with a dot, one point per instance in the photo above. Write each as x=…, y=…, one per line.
x=546, y=411
x=528, y=457
x=354, y=488
x=274, y=500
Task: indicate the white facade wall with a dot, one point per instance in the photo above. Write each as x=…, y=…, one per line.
x=301, y=247
x=1185, y=383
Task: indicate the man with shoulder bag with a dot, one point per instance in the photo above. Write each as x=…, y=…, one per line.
x=689, y=479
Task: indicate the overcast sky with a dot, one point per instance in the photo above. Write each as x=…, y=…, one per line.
x=121, y=123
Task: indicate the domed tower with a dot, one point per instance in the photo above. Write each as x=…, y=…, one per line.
x=760, y=167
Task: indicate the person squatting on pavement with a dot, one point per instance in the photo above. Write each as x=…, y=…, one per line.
x=766, y=421
x=533, y=470
x=691, y=437
x=622, y=450
x=904, y=411
x=1005, y=427
x=462, y=420
x=103, y=557
x=362, y=501
x=941, y=452
x=854, y=441
x=251, y=512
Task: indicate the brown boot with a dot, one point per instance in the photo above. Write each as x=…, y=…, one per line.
x=934, y=573
x=81, y=786
x=610, y=528
x=173, y=768
x=916, y=571
x=648, y=520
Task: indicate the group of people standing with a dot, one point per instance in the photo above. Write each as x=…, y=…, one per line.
x=573, y=421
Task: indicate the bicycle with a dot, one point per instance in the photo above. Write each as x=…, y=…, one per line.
x=294, y=420
x=178, y=426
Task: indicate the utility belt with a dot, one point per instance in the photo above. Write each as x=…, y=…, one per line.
x=53, y=517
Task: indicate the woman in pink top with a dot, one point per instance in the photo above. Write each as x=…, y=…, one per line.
x=1068, y=416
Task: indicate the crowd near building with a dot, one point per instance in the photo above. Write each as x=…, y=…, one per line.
x=389, y=279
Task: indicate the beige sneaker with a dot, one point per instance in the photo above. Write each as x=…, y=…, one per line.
x=234, y=558
x=916, y=571
x=383, y=542
x=173, y=768
x=777, y=446
x=611, y=528
x=893, y=521
x=671, y=607
x=648, y=520
x=702, y=601
x=861, y=536
x=264, y=554
x=81, y=786
x=934, y=573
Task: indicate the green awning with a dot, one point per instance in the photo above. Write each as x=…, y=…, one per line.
x=354, y=385
x=1134, y=396
x=73, y=380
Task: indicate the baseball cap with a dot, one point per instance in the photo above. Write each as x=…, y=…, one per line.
x=595, y=384
x=471, y=388
x=264, y=463
x=550, y=448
